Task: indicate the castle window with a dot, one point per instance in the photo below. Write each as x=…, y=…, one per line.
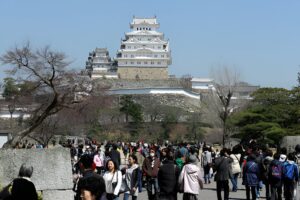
x=137, y=29
x=132, y=56
x=125, y=55
x=159, y=47
x=131, y=62
x=162, y=56
x=152, y=63
x=155, y=56
x=145, y=62
x=129, y=47
x=159, y=63
x=149, y=29
x=138, y=63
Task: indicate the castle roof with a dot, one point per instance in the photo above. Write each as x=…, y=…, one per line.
x=144, y=20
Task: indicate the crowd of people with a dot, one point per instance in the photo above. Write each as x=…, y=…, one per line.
x=101, y=173
x=167, y=169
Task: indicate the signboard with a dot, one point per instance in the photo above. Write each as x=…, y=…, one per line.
x=3, y=139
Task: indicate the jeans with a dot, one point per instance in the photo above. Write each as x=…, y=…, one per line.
x=225, y=186
x=234, y=181
x=152, y=188
x=207, y=177
x=253, y=192
x=112, y=197
x=268, y=190
x=276, y=193
x=289, y=186
x=126, y=196
x=260, y=185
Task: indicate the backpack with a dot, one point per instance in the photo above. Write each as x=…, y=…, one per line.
x=289, y=171
x=205, y=162
x=276, y=171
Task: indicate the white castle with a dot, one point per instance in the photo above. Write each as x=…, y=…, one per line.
x=144, y=53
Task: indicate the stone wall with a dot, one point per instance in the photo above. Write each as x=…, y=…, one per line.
x=143, y=73
x=52, y=170
x=132, y=84
x=290, y=142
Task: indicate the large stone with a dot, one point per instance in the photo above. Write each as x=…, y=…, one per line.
x=58, y=194
x=52, y=168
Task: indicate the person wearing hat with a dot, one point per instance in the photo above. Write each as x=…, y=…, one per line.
x=151, y=166
x=190, y=179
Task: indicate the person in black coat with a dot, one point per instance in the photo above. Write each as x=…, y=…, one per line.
x=114, y=154
x=22, y=187
x=168, y=174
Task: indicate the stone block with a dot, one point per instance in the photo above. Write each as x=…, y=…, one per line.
x=52, y=168
x=58, y=195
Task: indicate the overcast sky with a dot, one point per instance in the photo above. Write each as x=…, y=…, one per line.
x=259, y=38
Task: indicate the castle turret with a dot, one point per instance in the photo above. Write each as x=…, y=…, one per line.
x=99, y=64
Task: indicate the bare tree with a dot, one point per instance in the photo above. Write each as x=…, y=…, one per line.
x=226, y=81
x=52, y=86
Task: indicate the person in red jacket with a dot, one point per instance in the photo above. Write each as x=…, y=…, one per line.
x=150, y=167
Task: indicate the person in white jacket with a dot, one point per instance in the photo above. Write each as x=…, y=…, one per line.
x=113, y=180
x=235, y=169
x=190, y=179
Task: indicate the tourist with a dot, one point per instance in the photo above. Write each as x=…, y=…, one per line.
x=132, y=178
x=251, y=176
x=222, y=167
x=114, y=155
x=93, y=188
x=235, y=169
x=98, y=162
x=276, y=177
x=291, y=177
x=167, y=177
x=87, y=168
x=113, y=180
x=190, y=179
x=150, y=168
x=22, y=187
x=265, y=172
x=206, y=162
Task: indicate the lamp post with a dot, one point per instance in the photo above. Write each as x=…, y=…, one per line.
x=11, y=109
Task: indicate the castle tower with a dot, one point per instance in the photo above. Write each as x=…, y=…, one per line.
x=99, y=64
x=144, y=53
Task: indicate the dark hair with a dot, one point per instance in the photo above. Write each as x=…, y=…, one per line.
x=283, y=150
x=223, y=151
x=291, y=157
x=94, y=184
x=115, y=165
x=251, y=157
x=134, y=158
x=86, y=160
x=276, y=156
x=170, y=155
x=25, y=170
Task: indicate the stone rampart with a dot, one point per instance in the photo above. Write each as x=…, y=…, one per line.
x=131, y=84
x=52, y=170
x=143, y=73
